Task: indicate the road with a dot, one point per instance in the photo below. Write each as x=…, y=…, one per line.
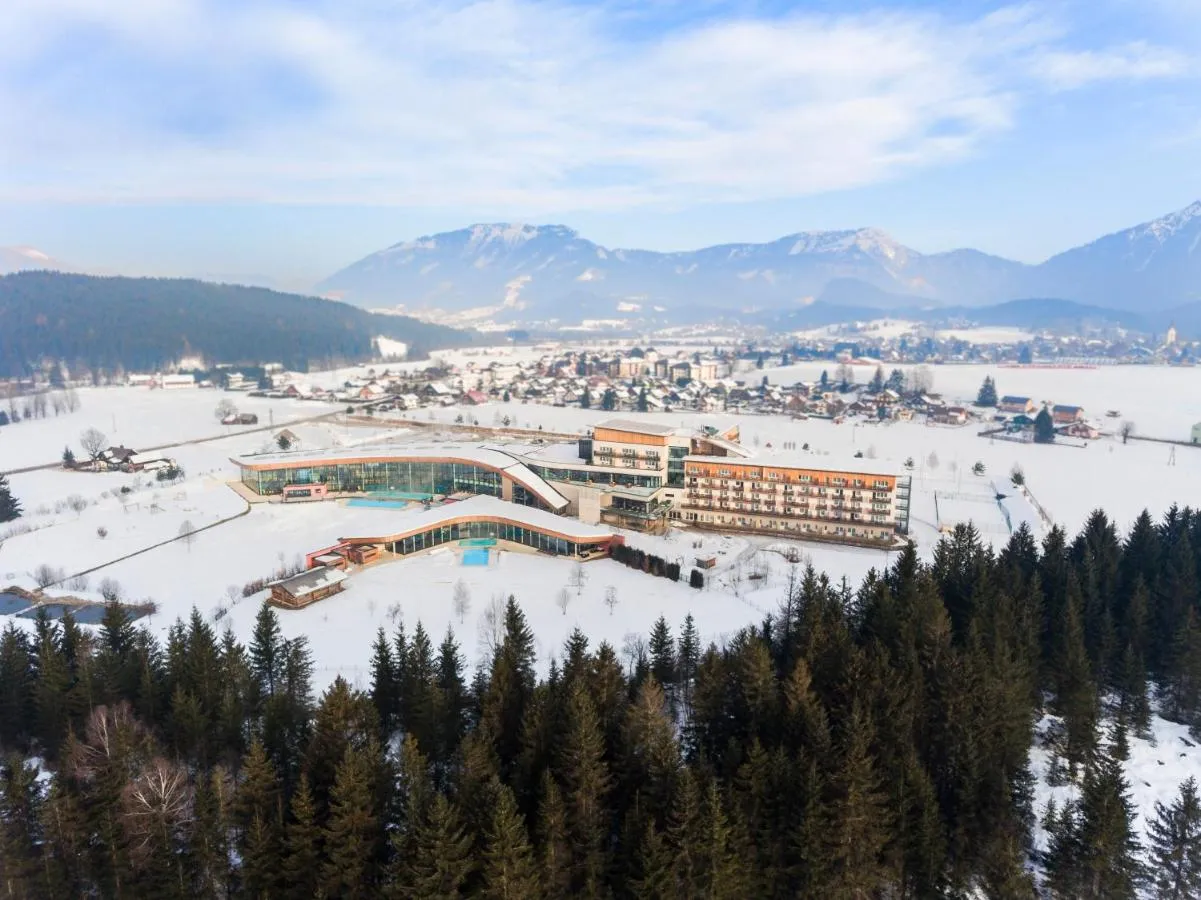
x=57, y=464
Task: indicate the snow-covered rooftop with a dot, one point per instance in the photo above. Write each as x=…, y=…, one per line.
x=851, y=465
x=483, y=507
x=637, y=427
x=312, y=580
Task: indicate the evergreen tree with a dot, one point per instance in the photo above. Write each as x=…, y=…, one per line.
x=16, y=686
x=653, y=878
x=450, y=697
x=586, y=782
x=257, y=815
x=1174, y=837
x=987, y=395
x=352, y=832
x=554, y=852
x=10, y=508
x=510, y=872
x=1093, y=851
x=441, y=862
x=302, y=845
x=20, y=828
x=642, y=404
x=876, y=385
x=1044, y=427
x=859, y=823
x=663, y=655
x=385, y=690
x=896, y=381
x=267, y=658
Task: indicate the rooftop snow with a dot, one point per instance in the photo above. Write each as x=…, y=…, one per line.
x=636, y=427
x=812, y=461
x=406, y=522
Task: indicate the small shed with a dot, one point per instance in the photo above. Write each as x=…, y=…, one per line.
x=1197, y=433
x=706, y=562
x=307, y=587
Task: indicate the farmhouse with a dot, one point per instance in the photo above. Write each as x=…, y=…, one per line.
x=1066, y=415
x=307, y=587
x=1012, y=405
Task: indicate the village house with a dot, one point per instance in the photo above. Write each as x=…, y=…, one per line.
x=1011, y=404
x=1066, y=415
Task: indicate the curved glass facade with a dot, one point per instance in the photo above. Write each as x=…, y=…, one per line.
x=417, y=477
x=501, y=531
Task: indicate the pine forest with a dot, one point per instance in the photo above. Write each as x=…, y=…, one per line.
x=867, y=741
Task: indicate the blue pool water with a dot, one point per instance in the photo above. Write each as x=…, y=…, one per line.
x=369, y=503
x=476, y=556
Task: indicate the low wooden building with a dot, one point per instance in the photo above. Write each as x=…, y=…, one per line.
x=307, y=587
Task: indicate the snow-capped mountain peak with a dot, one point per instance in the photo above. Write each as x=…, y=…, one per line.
x=1165, y=227
x=871, y=241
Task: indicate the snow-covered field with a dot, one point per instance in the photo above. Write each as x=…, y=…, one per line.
x=1154, y=769
x=140, y=418
x=1067, y=481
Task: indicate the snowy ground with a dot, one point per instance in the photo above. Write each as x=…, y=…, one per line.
x=1154, y=770
x=138, y=417
x=1068, y=482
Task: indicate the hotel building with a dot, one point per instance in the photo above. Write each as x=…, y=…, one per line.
x=626, y=474
x=861, y=501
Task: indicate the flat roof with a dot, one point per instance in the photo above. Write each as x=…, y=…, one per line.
x=637, y=427
x=811, y=461
x=489, y=457
x=483, y=507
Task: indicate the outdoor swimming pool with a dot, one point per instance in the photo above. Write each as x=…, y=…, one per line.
x=370, y=503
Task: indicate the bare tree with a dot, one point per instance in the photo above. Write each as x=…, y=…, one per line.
x=492, y=624
x=157, y=802
x=921, y=380
x=462, y=600
x=578, y=578
x=39, y=405
x=110, y=590
x=563, y=599
x=932, y=460
x=46, y=575
x=225, y=409
x=71, y=399
x=611, y=598
x=1127, y=430
x=77, y=503
x=93, y=442
x=844, y=375
x=187, y=533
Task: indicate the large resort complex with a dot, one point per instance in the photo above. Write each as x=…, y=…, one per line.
x=557, y=497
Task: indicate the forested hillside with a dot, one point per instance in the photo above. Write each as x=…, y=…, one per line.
x=868, y=743
x=102, y=324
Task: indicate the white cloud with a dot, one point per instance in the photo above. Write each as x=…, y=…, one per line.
x=1133, y=62
x=532, y=106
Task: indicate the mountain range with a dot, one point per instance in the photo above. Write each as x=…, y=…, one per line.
x=547, y=273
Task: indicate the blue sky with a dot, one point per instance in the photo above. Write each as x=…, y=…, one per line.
x=287, y=139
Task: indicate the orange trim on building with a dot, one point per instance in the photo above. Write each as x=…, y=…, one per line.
x=614, y=436
x=818, y=477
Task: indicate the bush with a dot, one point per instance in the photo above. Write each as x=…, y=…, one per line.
x=101, y=532
x=696, y=579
